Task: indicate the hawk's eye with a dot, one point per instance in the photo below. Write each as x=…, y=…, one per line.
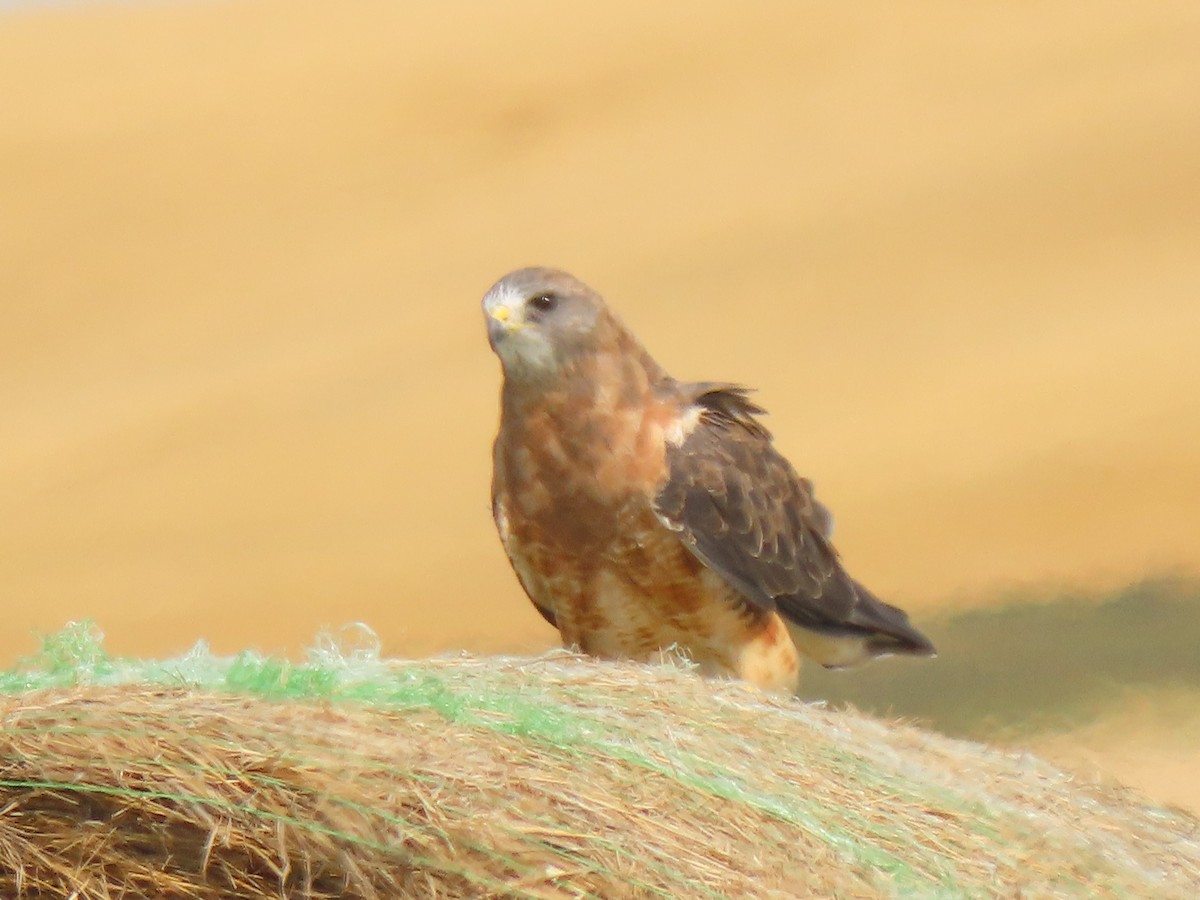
x=543, y=303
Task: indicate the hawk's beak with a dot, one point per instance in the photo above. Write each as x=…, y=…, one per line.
x=501, y=323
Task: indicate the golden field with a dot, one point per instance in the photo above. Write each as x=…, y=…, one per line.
x=244, y=387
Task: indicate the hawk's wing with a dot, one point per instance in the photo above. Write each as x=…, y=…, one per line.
x=740, y=507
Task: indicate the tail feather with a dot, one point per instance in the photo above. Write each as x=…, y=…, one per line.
x=888, y=628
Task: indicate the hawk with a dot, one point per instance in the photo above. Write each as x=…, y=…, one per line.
x=640, y=512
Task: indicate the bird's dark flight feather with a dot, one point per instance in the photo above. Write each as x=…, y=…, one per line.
x=744, y=512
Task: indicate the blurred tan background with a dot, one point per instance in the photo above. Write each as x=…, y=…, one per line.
x=245, y=391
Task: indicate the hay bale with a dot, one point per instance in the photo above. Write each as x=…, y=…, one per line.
x=550, y=777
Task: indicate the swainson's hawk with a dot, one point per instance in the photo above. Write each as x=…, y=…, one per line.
x=641, y=512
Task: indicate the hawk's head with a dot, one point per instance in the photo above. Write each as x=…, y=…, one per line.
x=540, y=320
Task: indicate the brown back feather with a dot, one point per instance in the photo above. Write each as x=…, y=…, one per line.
x=740, y=507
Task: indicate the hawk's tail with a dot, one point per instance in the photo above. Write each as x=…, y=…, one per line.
x=888, y=627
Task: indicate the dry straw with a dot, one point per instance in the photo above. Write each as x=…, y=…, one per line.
x=555, y=777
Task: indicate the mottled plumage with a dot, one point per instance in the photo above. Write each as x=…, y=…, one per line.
x=640, y=512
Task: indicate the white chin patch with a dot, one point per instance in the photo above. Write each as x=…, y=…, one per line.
x=526, y=351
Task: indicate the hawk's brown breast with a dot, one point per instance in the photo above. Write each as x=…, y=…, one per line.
x=575, y=480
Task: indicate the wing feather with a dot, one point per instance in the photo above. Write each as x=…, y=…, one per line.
x=744, y=512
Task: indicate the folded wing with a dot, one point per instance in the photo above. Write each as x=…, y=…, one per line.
x=740, y=507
